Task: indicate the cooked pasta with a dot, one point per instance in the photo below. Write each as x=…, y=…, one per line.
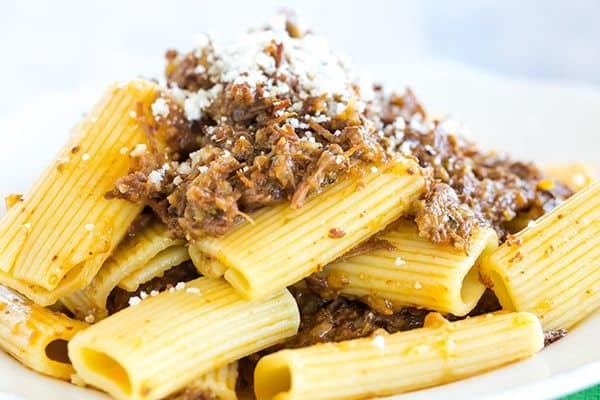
x=283, y=245
x=219, y=383
x=163, y=261
x=575, y=175
x=155, y=348
x=552, y=268
x=35, y=336
x=263, y=219
x=55, y=240
x=439, y=353
x=417, y=272
x=127, y=259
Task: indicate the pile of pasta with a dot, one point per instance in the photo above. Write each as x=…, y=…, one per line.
x=62, y=246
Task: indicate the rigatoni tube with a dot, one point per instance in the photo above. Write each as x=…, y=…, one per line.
x=55, y=240
x=36, y=336
x=157, y=266
x=216, y=384
x=417, y=273
x=575, y=176
x=283, y=245
x=381, y=365
x=552, y=267
x=126, y=259
x=190, y=331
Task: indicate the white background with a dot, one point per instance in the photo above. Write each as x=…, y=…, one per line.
x=47, y=46
x=63, y=53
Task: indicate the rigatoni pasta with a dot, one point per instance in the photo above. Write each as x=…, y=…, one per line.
x=416, y=272
x=576, y=175
x=179, y=327
x=56, y=239
x=552, y=268
x=160, y=263
x=283, y=245
x=127, y=259
x=329, y=222
x=36, y=336
x=219, y=383
x=439, y=353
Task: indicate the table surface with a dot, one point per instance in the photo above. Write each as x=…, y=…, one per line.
x=592, y=393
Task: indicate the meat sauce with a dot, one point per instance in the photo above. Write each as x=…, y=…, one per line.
x=226, y=142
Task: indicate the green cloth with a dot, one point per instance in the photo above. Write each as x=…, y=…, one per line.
x=592, y=393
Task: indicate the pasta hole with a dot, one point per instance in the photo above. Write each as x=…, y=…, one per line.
x=205, y=264
x=239, y=281
x=277, y=380
x=106, y=366
x=500, y=290
x=56, y=350
x=471, y=289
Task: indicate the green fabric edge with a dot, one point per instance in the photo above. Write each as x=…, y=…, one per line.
x=592, y=393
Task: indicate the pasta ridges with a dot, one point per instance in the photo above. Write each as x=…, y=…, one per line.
x=152, y=375
x=374, y=366
x=58, y=206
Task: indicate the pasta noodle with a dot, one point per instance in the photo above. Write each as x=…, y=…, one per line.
x=283, y=245
x=162, y=262
x=55, y=240
x=127, y=259
x=552, y=268
x=441, y=352
x=155, y=348
x=325, y=218
x=35, y=336
x=417, y=273
x=219, y=383
x=576, y=175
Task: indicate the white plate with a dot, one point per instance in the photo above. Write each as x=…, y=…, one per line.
x=547, y=122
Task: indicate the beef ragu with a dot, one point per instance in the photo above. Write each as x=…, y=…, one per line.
x=224, y=144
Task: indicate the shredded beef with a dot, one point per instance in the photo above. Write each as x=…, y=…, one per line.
x=554, y=335
x=442, y=218
x=468, y=186
x=267, y=145
x=235, y=140
x=343, y=319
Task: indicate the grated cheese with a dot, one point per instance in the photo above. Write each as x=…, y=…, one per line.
x=160, y=108
x=135, y=300
x=155, y=178
x=139, y=150
x=307, y=60
x=379, y=342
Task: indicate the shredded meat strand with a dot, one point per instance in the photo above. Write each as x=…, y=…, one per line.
x=553, y=336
